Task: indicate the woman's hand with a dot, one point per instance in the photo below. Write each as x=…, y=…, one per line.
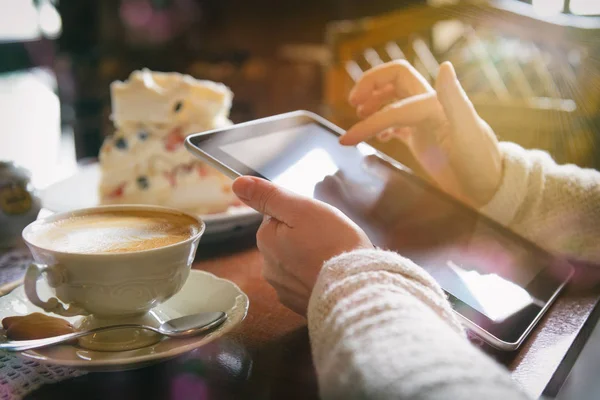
x=297, y=236
x=441, y=127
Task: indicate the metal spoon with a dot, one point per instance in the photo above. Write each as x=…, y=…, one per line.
x=178, y=327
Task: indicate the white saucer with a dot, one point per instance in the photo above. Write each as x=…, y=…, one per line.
x=202, y=292
x=81, y=191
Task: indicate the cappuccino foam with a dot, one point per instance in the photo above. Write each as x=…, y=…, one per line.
x=114, y=232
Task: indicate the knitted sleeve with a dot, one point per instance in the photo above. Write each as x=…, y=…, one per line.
x=381, y=328
x=555, y=206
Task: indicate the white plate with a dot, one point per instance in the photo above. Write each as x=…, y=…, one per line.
x=202, y=292
x=81, y=191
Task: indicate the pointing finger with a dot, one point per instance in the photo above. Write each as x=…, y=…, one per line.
x=406, y=79
x=408, y=112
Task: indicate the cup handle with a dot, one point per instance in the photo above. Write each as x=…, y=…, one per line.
x=55, y=279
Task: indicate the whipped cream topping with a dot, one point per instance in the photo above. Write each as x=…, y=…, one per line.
x=165, y=97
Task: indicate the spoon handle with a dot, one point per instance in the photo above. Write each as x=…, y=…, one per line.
x=22, y=345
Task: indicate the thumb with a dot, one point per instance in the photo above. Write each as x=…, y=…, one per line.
x=267, y=198
x=458, y=108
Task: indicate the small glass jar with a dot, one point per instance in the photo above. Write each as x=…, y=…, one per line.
x=19, y=203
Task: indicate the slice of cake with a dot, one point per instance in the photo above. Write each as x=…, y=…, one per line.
x=145, y=161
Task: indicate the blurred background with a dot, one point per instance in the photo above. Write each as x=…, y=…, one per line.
x=530, y=68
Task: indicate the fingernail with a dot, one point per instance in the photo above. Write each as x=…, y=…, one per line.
x=352, y=99
x=360, y=111
x=447, y=76
x=244, y=187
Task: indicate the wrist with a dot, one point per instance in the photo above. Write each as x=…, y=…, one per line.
x=512, y=188
x=492, y=182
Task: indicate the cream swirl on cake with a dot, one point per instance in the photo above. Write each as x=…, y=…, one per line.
x=145, y=162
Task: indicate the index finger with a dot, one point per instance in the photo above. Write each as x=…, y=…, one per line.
x=408, y=112
x=406, y=79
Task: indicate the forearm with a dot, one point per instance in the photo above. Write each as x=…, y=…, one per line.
x=555, y=206
x=381, y=328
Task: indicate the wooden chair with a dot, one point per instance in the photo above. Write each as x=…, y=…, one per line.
x=533, y=79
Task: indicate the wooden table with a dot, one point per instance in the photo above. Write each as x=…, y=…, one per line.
x=268, y=355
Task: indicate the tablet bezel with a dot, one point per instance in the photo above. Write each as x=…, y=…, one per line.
x=507, y=335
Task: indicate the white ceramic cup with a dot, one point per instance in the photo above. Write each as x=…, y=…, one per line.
x=109, y=285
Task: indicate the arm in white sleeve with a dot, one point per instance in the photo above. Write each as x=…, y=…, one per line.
x=382, y=328
x=555, y=206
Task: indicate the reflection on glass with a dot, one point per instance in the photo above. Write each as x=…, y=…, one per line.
x=492, y=295
x=585, y=7
x=548, y=7
x=257, y=153
x=313, y=167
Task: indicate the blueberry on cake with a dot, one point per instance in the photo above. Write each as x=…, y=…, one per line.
x=145, y=161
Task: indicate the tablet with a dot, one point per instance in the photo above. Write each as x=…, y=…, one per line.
x=498, y=283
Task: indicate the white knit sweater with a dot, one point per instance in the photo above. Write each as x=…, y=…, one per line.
x=381, y=327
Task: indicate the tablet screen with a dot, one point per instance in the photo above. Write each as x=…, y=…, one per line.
x=470, y=259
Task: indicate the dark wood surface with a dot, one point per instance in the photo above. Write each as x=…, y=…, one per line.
x=268, y=355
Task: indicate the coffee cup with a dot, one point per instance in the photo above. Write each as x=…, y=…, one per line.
x=111, y=261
